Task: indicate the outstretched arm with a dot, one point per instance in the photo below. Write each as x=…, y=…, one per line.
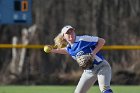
x=54, y=49
x=59, y=50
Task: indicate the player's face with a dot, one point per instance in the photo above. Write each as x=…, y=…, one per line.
x=70, y=35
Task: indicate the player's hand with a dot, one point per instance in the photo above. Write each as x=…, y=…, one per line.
x=48, y=48
x=93, y=55
x=85, y=61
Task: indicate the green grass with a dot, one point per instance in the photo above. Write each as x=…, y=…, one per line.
x=63, y=89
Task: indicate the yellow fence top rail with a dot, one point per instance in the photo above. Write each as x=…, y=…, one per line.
x=21, y=46
x=107, y=47
x=121, y=47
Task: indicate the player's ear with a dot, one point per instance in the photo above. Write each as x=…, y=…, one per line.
x=64, y=37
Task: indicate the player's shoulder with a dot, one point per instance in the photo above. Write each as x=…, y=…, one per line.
x=86, y=38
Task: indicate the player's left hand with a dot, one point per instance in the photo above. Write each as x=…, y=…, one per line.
x=93, y=55
x=85, y=61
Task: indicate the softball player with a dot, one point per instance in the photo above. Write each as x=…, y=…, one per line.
x=79, y=45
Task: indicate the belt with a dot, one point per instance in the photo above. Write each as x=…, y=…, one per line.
x=91, y=67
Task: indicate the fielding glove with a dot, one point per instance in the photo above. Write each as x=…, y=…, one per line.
x=85, y=61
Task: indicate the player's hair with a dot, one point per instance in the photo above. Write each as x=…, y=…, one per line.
x=59, y=41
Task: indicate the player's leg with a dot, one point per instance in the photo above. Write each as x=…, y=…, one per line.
x=86, y=81
x=104, y=78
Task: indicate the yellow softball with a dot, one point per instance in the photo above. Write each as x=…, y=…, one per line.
x=47, y=48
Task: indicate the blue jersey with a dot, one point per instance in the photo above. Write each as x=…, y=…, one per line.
x=83, y=45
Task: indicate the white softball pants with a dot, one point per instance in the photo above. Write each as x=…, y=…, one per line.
x=101, y=72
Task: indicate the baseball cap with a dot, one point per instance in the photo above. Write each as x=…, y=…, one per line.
x=65, y=29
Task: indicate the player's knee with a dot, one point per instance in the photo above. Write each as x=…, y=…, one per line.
x=79, y=91
x=107, y=91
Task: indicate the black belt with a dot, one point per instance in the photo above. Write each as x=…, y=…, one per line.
x=91, y=67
